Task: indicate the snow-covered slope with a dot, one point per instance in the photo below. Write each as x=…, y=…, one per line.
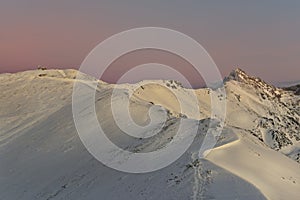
x=273, y=114
x=42, y=156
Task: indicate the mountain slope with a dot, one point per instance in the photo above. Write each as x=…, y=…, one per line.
x=42, y=156
x=275, y=112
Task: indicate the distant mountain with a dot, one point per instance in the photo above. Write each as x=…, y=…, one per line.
x=42, y=157
x=287, y=84
x=294, y=88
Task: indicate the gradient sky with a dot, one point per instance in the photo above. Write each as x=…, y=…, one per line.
x=261, y=37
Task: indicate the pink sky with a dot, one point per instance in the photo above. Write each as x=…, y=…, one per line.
x=261, y=38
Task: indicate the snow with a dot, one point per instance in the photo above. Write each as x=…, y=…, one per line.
x=42, y=156
x=274, y=174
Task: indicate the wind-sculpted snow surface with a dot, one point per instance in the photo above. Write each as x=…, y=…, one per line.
x=42, y=156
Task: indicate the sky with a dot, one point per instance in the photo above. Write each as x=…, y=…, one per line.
x=262, y=37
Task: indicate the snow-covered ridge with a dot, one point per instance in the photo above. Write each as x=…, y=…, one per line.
x=42, y=156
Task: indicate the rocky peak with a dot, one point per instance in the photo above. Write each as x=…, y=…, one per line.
x=237, y=75
x=241, y=76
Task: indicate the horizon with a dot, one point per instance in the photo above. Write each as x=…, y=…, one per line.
x=202, y=85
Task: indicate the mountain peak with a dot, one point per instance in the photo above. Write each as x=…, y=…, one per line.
x=238, y=75
x=242, y=77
